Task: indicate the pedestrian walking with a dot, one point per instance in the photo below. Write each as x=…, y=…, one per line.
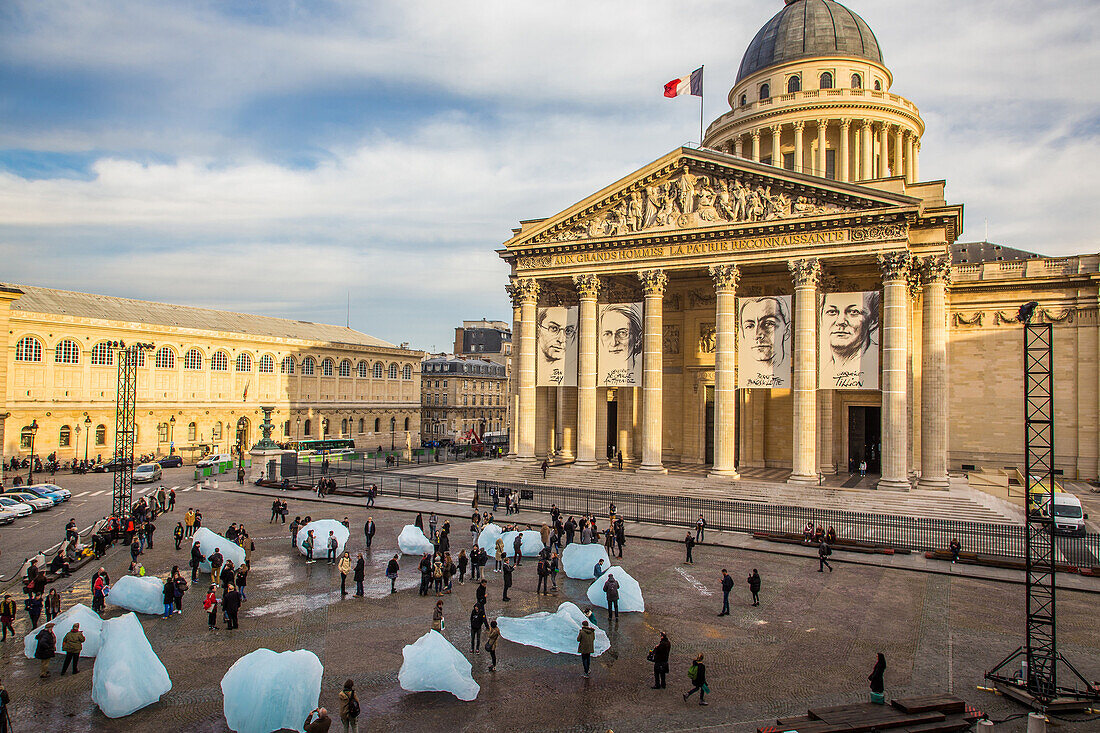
x=477, y=620
x=482, y=592
x=344, y=566
x=586, y=645
x=34, y=606
x=689, y=544
x=463, y=561
x=727, y=586
x=517, y=548
x=611, y=589
x=878, y=681
x=171, y=499
x=368, y=531
x=210, y=605
x=359, y=574
x=71, y=644
x=823, y=552
x=349, y=708
x=8, y=610
x=392, y=568
x=507, y=580
x=754, y=587
x=491, y=644
x=52, y=605
x=697, y=673
x=543, y=572
x=544, y=466
x=215, y=565
x=333, y=546
x=177, y=534
x=659, y=656
x=45, y=648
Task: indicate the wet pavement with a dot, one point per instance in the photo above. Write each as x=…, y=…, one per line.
x=811, y=642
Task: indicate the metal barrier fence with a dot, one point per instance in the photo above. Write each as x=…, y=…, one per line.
x=914, y=533
x=389, y=484
x=375, y=461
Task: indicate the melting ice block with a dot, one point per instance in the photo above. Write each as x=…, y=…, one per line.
x=320, y=529
x=487, y=538
x=555, y=632
x=432, y=664
x=266, y=691
x=412, y=541
x=144, y=594
x=531, y=543
x=578, y=560
x=630, y=593
x=127, y=674
x=208, y=542
x=91, y=625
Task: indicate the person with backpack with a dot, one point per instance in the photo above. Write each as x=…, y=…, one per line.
x=754, y=587
x=307, y=545
x=392, y=568
x=349, y=708
x=697, y=673
x=333, y=545
x=215, y=565
x=611, y=588
x=179, y=587
x=71, y=644
x=659, y=656
x=823, y=552
x=543, y=572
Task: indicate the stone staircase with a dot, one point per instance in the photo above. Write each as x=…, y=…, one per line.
x=958, y=503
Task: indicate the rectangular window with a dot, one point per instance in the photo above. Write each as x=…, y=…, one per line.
x=830, y=164
x=788, y=161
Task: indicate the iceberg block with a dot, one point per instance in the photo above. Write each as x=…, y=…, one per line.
x=578, y=560
x=321, y=528
x=209, y=541
x=412, y=541
x=555, y=632
x=144, y=594
x=487, y=538
x=127, y=674
x=531, y=544
x=266, y=691
x=90, y=624
x=432, y=664
x=630, y=593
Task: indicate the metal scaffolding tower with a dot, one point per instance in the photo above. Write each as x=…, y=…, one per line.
x=125, y=405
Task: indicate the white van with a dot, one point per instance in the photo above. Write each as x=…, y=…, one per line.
x=1069, y=517
x=214, y=459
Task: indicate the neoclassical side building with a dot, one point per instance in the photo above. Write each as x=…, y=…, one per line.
x=201, y=386
x=792, y=295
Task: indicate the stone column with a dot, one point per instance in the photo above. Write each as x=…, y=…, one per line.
x=777, y=146
x=513, y=376
x=653, y=286
x=559, y=421
x=895, y=302
x=826, y=462
x=822, y=128
x=738, y=147
x=843, y=170
x=528, y=290
x=916, y=160
x=756, y=145
x=899, y=145
x=884, y=150
x=866, y=145
x=624, y=397
x=799, y=163
x=806, y=274
x=935, y=274
x=588, y=287
x=725, y=378
x=909, y=139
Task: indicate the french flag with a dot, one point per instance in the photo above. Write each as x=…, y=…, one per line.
x=690, y=84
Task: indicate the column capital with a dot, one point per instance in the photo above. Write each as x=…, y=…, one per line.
x=865, y=124
x=513, y=295
x=653, y=282
x=799, y=125
x=526, y=289
x=845, y=123
x=755, y=134
x=805, y=273
x=895, y=265
x=725, y=276
x=588, y=286
x=936, y=268
x=823, y=124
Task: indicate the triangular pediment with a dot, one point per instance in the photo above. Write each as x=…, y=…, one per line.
x=691, y=189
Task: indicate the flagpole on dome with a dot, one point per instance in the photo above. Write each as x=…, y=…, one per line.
x=700, y=107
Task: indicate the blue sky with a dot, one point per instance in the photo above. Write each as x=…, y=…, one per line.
x=273, y=157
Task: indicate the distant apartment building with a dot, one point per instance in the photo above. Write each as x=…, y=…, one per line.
x=460, y=396
x=490, y=341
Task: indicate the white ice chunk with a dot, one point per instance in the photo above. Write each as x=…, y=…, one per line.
x=142, y=594
x=320, y=529
x=265, y=691
x=412, y=541
x=90, y=625
x=578, y=561
x=432, y=664
x=555, y=632
x=630, y=593
x=487, y=538
x=208, y=542
x=127, y=674
x=531, y=544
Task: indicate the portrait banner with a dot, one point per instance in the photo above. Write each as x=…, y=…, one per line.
x=848, y=329
x=619, y=345
x=556, y=347
x=765, y=342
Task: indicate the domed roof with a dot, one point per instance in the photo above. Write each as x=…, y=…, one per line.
x=806, y=28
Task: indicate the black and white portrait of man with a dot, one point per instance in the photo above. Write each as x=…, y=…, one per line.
x=765, y=340
x=848, y=329
x=619, y=345
x=556, y=342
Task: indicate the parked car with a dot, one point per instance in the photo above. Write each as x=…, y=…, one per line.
x=38, y=503
x=170, y=461
x=147, y=472
x=65, y=494
x=20, y=509
x=43, y=492
x=115, y=464
x=214, y=459
x=7, y=516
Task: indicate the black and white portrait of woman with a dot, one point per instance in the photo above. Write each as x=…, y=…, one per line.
x=848, y=329
x=619, y=345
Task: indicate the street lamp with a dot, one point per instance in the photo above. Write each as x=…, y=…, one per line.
x=87, y=435
x=172, y=435
x=297, y=428
x=393, y=428
x=30, y=469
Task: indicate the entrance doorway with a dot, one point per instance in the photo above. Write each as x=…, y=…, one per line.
x=864, y=438
x=612, y=430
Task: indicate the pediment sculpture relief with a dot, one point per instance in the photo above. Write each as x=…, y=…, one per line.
x=683, y=201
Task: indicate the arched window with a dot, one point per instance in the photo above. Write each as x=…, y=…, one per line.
x=287, y=365
x=377, y=424
x=345, y=368
x=393, y=371
x=308, y=365
x=244, y=363
x=166, y=358
x=363, y=370
x=267, y=364
x=407, y=372
x=162, y=432
x=857, y=81
x=101, y=434
x=141, y=357
x=102, y=355
x=406, y=423
x=307, y=427
x=794, y=84
x=28, y=349
x=878, y=85
x=219, y=362
x=216, y=433
x=192, y=432
x=765, y=91
x=327, y=367
x=377, y=370
x=193, y=359
x=362, y=424
x=744, y=99
x=826, y=81
x=344, y=426
x=63, y=436
x=67, y=352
